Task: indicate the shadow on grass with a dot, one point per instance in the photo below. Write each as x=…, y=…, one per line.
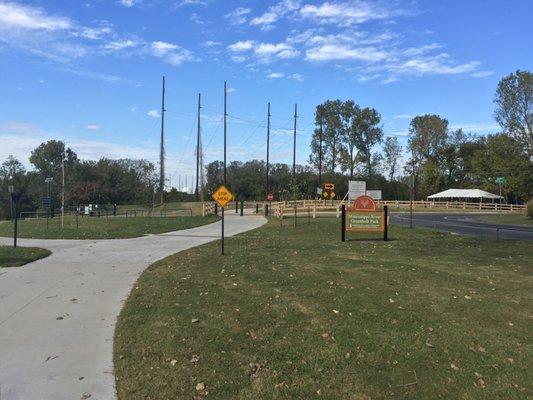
x=370, y=240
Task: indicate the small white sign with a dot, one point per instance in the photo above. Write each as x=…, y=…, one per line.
x=375, y=194
x=319, y=191
x=356, y=189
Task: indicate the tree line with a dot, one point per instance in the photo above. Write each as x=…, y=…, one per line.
x=349, y=142
x=104, y=181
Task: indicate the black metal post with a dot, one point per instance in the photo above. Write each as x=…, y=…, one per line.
x=222, y=241
x=236, y=207
x=411, y=202
x=15, y=227
x=267, y=188
x=257, y=208
x=225, y=169
x=266, y=210
x=242, y=208
x=343, y=223
x=386, y=222
x=216, y=208
x=295, y=214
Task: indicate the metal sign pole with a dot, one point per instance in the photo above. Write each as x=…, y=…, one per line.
x=222, y=242
x=15, y=197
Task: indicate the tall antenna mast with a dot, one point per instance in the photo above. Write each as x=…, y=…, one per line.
x=198, y=148
x=294, y=144
x=268, y=150
x=162, y=150
x=320, y=152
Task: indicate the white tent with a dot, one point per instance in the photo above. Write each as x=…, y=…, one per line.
x=464, y=194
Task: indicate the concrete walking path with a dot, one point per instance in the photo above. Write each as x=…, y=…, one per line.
x=58, y=314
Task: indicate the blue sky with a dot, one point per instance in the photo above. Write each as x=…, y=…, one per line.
x=89, y=72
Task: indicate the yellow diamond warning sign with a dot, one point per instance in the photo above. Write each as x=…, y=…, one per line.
x=222, y=196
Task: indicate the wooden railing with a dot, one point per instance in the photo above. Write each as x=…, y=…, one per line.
x=332, y=207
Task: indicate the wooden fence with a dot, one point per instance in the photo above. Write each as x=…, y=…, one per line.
x=317, y=208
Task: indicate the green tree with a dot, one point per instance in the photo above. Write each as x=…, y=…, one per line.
x=428, y=135
x=392, y=151
x=514, y=107
x=503, y=155
x=47, y=157
x=328, y=115
x=369, y=134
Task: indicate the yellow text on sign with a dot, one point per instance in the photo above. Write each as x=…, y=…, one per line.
x=222, y=196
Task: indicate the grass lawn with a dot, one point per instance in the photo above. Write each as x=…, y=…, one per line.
x=293, y=313
x=11, y=257
x=102, y=228
x=520, y=219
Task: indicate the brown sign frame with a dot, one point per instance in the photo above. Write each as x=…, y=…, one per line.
x=360, y=208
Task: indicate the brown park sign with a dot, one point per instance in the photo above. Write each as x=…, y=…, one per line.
x=364, y=216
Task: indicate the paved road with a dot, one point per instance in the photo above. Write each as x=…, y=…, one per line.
x=465, y=224
x=57, y=315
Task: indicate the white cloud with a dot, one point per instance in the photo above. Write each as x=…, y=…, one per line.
x=274, y=13
x=197, y=19
x=243, y=45
x=19, y=139
x=329, y=52
x=482, y=74
x=153, y=114
x=16, y=16
x=282, y=50
x=191, y=3
x=296, y=77
x=264, y=51
x=403, y=116
x=32, y=30
x=128, y=3
x=121, y=44
x=238, y=16
x=440, y=64
x=163, y=48
x=238, y=58
x=350, y=12
x=275, y=75
x=171, y=53
x=212, y=43
x=388, y=80
x=92, y=127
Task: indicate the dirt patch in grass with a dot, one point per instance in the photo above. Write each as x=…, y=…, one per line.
x=293, y=313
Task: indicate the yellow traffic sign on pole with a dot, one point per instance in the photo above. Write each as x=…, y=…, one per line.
x=222, y=196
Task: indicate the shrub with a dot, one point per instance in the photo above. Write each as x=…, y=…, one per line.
x=529, y=209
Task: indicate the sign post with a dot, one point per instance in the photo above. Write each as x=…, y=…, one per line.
x=15, y=197
x=222, y=196
x=364, y=216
